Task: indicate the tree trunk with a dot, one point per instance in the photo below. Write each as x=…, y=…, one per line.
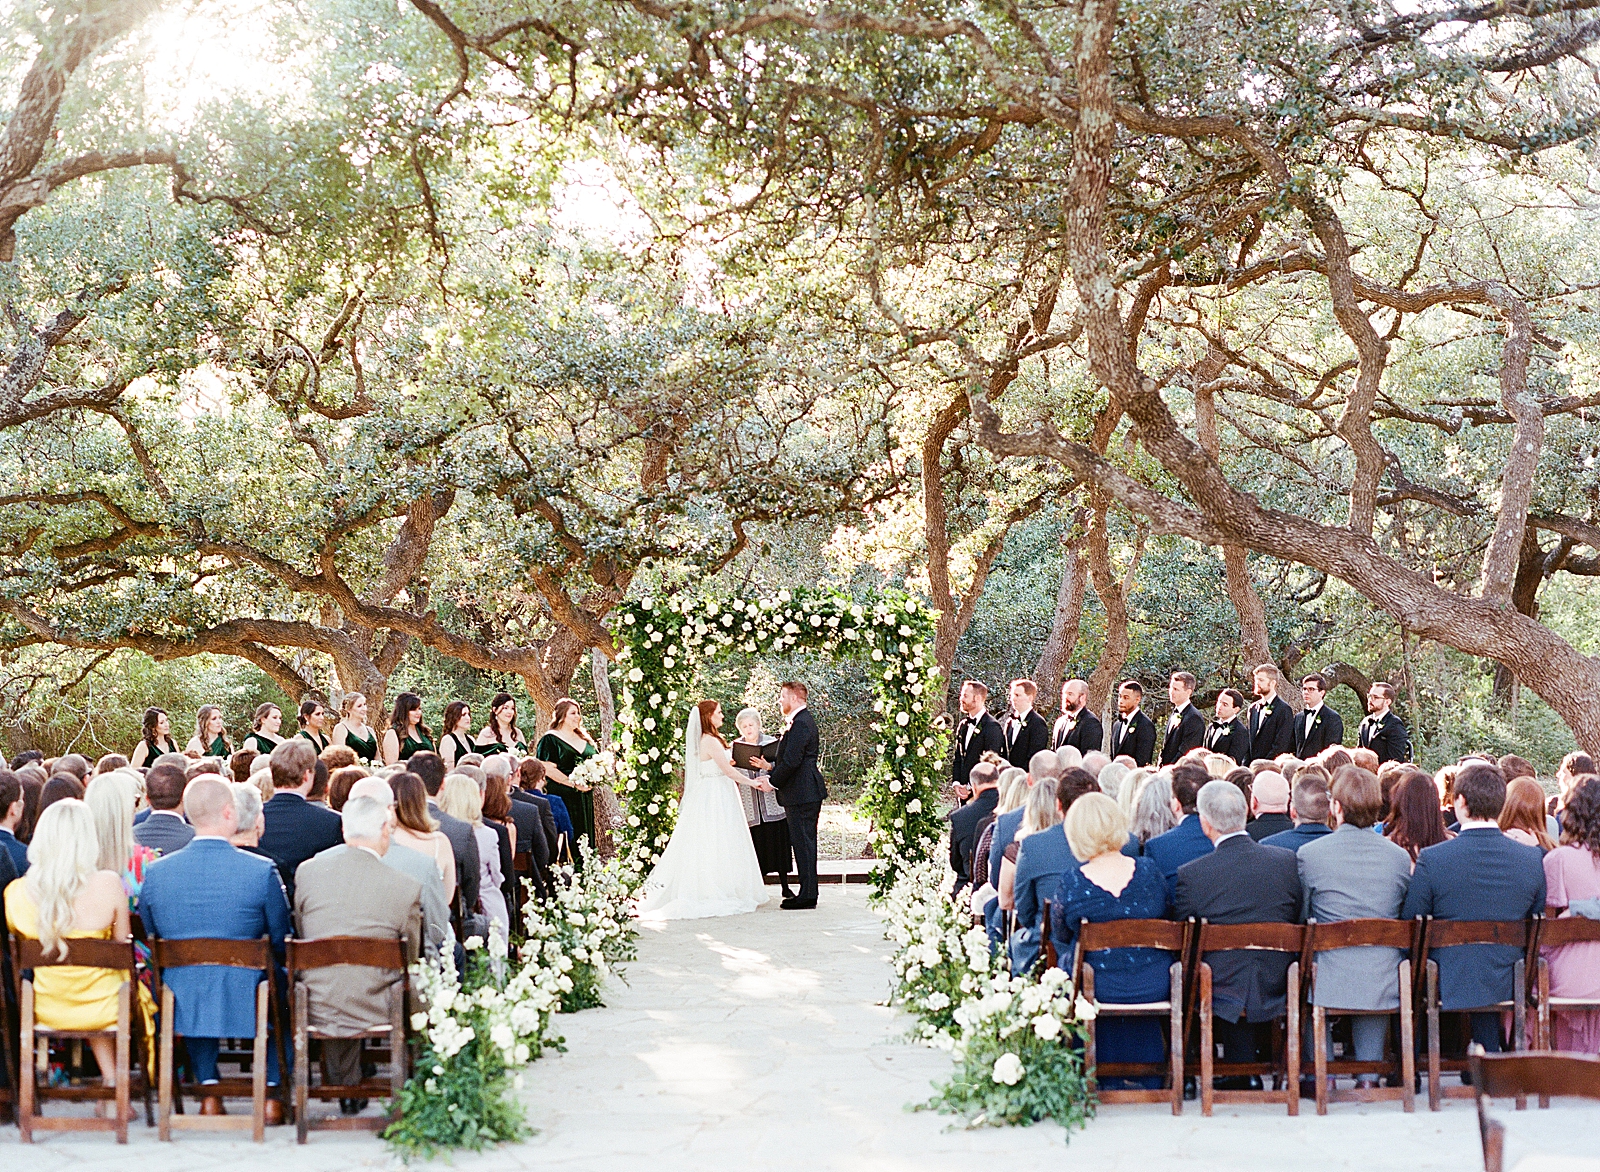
x=1113, y=595
x=1351, y=677
x=602, y=693
x=1068, y=616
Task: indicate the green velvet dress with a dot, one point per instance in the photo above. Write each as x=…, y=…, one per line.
x=365, y=748
x=318, y=742
x=463, y=746
x=219, y=748
x=260, y=743
x=410, y=747
x=580, y=803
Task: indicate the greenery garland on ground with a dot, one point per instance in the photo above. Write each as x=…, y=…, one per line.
x=475, y=1030
x=1016, y=1041
x=663, y=641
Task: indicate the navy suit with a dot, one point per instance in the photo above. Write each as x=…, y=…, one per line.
x=296, y=830
x=163, y=831
x=213, y=890
x=1478, y=875
x=17, y=850
x=964, y=833
x=1293, y=840
x=1184, y=843
x=1041, y=858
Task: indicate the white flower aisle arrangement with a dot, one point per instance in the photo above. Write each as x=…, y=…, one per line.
x=940, y=959
x=586, y=932
x=661, y=641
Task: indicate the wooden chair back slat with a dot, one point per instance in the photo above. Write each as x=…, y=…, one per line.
x=1168, y=935
x=1546, y=1073
x=522, y=863
x=329, y=951
x=1251, y=937
x=1362, y=934
x=1568, y=930
x=95, y=954
x=1450, y=933
x=238, y=954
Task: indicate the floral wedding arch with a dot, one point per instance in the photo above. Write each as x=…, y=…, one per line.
x=663, y=640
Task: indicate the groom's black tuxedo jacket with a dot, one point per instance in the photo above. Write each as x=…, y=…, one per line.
x=794, y=770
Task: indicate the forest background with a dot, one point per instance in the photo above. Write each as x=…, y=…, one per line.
x=383, y=346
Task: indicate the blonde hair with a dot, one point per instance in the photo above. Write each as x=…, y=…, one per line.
x=110, y=799
x=459, y=797
x=61, y=858
x=1012, y=792
x=1133, y=783
x=1041, y=811
x=349, y=702
x=1095, y=826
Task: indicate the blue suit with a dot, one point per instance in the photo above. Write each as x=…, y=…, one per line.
x=1184, y=843
x=1293, y=840
x=295, y=831
x=213, y=890
x=1041, y=858
x=1478, y=875
x=1005, y=829
x=17, y=849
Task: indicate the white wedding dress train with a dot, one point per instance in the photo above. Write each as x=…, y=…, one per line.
x=709, y=867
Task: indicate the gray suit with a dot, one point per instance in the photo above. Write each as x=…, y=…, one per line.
x=435, y=908
x=164, y=831
x=347, y=891
x=1354, y=874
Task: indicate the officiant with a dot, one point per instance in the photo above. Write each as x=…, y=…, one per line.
x=768, y=821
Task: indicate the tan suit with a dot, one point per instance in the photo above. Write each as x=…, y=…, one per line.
x=347, y=891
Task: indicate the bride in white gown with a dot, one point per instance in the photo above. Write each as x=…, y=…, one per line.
x=709, y=867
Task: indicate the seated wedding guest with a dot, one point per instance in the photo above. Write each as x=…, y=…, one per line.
x=986, y=895
x=1480, y=874
x=1187, y=840
x=74, y=765
x=1572, y=873
x=296, y=829
x=984, y=779
x=1367, y=759
x=1110, y=779
x=336, y=757
x=1523, y=817
x=317, y=795
x=12, y=804
x=110, y=799
x=429, y=767
x=558, y=827
x=1513, y=767
x=436, y=926
x=1003, y=830
x=210, y=734
x=264, y=725
x=459, y=797
x=109, y=763
x=1093, y=762
x=164, y=830
x=417, y=828
x=1240, y=882
x=496, y=790
x=66, y=896
x=313, y=718
x=352, y=732
x=1309, y=809
x=1133, y=783
x=155, y=739
x=1103, y=884
x=1415, y=820
x=534, y=819
x=1245, y=781
x=239, y=764
x=249, y=821
x=1215, y=764
x=59, y=788
x=1069, y=758
x=213, y=890
x=1041, y=819
x=33, y=780
x=351, y=893
x=339, y=783
x=1354, y=874
x=1024, y=730
x=261, y=776
x=1153, y=814
x=1573, y=766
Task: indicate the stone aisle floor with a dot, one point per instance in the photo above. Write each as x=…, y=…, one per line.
x=756, y=1042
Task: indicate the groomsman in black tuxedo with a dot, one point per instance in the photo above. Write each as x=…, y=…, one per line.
x=1133, y=734
x=1382, y=731
x=977, y=734
x=1186, y=728
x=1228, y=734
x=1077, y=726
x=1271, y=718
x=1025, y=730
x=1318, y=726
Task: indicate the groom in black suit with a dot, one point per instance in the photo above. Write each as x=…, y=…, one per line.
x=800, y=789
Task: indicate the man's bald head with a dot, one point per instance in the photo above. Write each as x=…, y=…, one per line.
x=372, y=787
x=208, y=803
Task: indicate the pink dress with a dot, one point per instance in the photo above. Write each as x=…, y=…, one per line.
x=1572, y=872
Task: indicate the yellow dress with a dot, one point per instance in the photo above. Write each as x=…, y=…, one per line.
x=72, y=997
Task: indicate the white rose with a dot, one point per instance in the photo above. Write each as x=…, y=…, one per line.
x=1008, y=1070
x=1084, y=1009
x=635, y=675
x=1046, y=1027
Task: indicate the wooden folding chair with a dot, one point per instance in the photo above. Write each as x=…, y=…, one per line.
x=1284, y=938
x=1402, y=1068
x=1451, y=934
x=1557, y=933
x=8, y=1027
x=1047, y=947
x=1160, y=934
x=1521, y=1075
x=329, y=952
x=28, y=954
x=243, y=954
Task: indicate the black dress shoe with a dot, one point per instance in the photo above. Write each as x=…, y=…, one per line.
x=795, y=904
x=352, y=1106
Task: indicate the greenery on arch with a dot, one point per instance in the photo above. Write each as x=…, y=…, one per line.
x=662, y=641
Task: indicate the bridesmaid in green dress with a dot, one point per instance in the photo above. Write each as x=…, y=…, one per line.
x=264, y=726
x=501, y=734
x=563, y=749
x=313, y=718
x=406, y=735
x=455, y=735
x=210, y=734
x=156, y=741
x=352, y=730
